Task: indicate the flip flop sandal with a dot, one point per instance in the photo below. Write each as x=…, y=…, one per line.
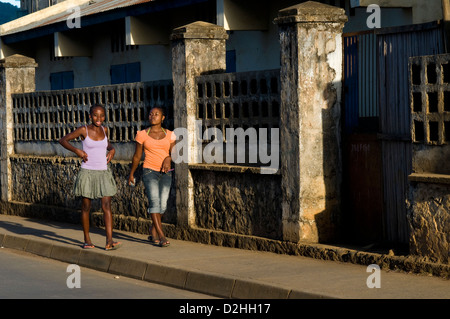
x=164, y=243
x=88, y=246
x=153, y=241
x=115, y=245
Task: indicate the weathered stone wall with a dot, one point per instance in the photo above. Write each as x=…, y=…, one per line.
x=197, y=48
x=241, y=203
x=16, y=76
x=48, y=181
x=245, y=203
x=429, y=218
x=311, y=73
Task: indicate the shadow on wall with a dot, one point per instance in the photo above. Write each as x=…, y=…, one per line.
x=329, y=221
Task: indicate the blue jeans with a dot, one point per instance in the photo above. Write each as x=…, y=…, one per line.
x=157, y=188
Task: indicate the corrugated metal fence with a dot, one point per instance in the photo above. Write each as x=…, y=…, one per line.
x=378, y=87
x=395, y=47
x=360, y=77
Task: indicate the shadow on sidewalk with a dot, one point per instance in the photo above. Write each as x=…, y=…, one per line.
x=38, y=231
x=20, y=229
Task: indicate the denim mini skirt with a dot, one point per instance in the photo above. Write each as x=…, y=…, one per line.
x=94, y=184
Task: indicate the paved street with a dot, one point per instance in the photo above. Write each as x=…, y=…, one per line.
x=27, y=276
x=218, y=271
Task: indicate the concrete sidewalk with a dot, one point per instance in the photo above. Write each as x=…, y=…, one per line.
x=218, y=271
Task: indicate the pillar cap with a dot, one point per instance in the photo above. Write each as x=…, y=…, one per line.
x=200, y=30
x=311, y=12
x=18, y=61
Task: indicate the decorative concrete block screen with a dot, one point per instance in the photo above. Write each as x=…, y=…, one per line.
x=239, y=100
x=48, y=116
x=430, y=99
x=429, y=188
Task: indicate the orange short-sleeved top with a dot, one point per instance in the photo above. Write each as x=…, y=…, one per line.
x=155, y=150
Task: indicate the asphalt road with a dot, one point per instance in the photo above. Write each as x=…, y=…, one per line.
x=27, y=276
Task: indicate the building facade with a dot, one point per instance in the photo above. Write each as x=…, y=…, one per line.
x=130, y=55
x=81, y=43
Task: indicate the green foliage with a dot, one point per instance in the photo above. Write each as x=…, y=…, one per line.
x=8, y=12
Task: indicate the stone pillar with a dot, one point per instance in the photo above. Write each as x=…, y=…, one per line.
x=311, y=74
x=17, y=75
x=197, y=48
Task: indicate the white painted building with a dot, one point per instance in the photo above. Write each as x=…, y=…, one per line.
x=81, y=43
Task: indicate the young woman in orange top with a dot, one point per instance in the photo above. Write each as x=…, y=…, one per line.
x=156, y=143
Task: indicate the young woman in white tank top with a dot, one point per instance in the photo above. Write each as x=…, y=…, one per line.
x=94, y=180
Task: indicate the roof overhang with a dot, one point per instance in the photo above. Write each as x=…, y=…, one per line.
x=59, y=17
